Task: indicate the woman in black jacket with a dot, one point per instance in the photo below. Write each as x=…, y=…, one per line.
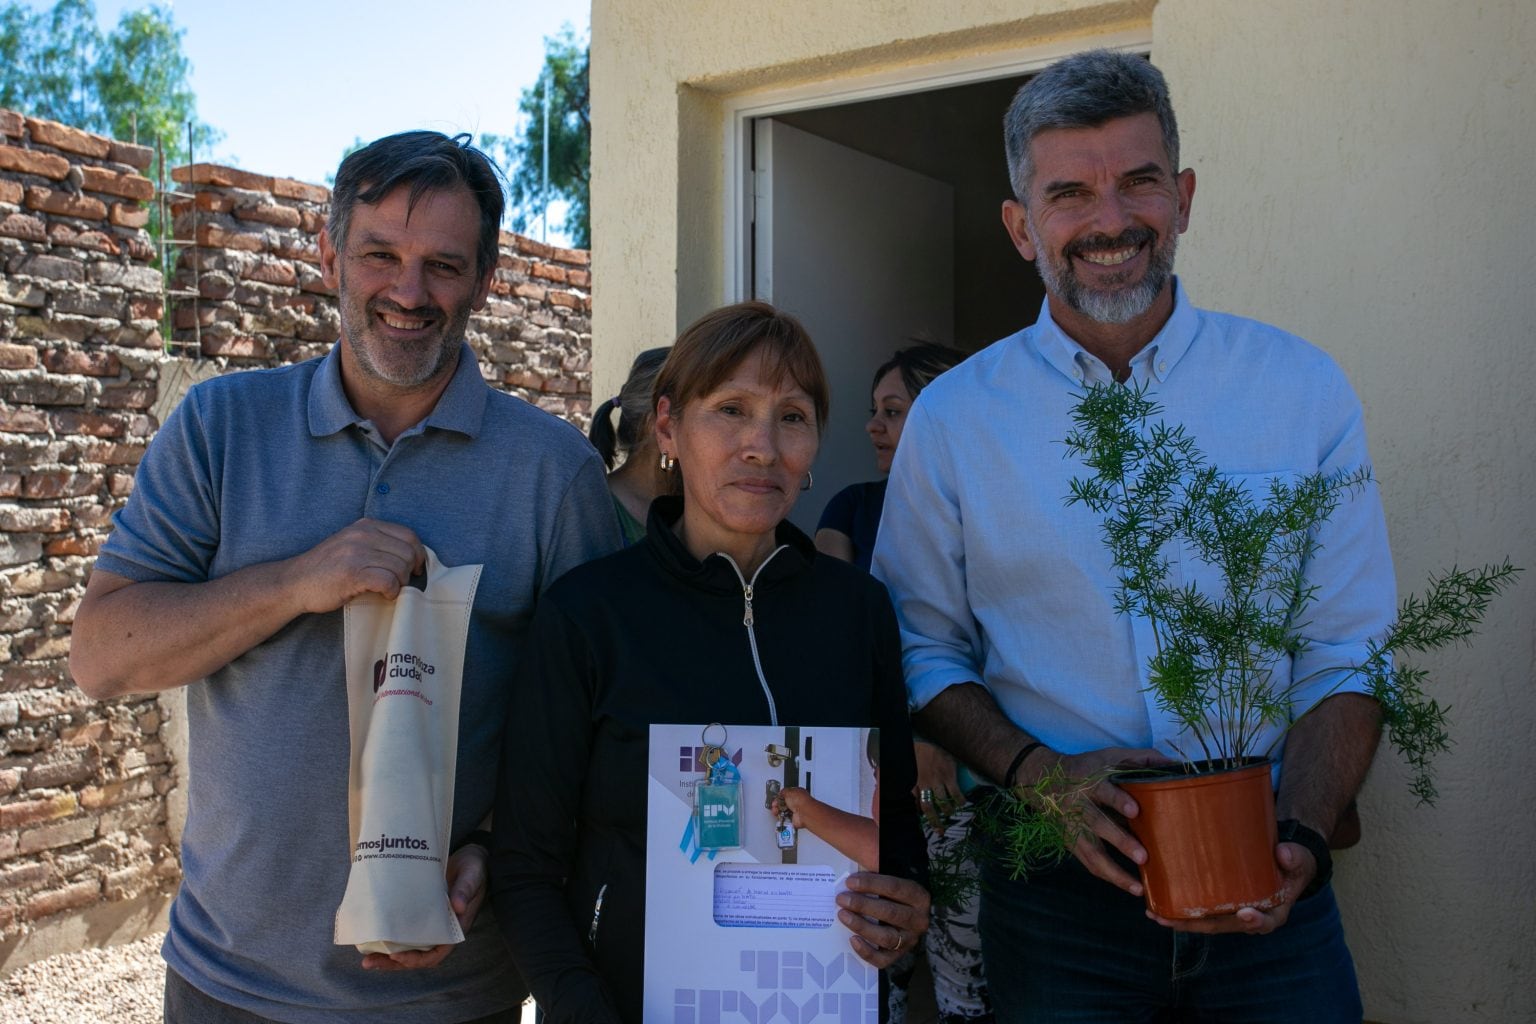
x=724, y=613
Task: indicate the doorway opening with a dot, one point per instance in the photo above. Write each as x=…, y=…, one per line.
x=877, y=222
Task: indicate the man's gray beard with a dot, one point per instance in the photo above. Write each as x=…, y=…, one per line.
x=1109, y=307
x=354, y=328
x=423, y=374
x=1116, y=307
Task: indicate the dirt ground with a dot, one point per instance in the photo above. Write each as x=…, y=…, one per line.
x=124, y=985
x=119, y=985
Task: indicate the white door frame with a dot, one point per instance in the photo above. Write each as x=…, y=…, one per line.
x=741, y=109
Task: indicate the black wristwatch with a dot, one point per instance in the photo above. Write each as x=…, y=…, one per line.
x=1292, y=831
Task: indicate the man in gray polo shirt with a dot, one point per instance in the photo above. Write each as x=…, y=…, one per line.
x=265, y=503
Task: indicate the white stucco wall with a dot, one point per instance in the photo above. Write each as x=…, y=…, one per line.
x=1366, y=174
x=660, y=74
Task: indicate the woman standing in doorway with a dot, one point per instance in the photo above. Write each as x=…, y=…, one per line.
x=851, y=519
x=847, y=530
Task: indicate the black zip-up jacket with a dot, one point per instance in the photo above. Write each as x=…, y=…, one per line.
x=652, y=635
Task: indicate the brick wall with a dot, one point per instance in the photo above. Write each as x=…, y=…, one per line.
x=82, y=787
x=260, y=301
x=89, y=792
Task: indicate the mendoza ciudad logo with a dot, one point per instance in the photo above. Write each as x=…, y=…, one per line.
x=402, y=672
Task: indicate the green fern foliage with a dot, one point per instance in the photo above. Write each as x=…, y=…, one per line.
x=1222, y=656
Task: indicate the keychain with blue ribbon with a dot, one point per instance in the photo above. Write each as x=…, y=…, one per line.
x=717, y=810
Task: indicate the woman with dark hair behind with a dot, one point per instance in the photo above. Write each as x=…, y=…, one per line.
x=847, y=530
x=638, y=479
x=852, y=518
x=723, y=612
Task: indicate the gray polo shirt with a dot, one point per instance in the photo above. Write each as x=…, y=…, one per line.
x=263, y=465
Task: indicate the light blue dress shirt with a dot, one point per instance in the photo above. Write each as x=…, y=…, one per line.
x=997, y=580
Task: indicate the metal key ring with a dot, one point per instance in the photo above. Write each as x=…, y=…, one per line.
x=704, y=735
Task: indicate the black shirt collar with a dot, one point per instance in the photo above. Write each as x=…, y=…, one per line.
x=715, y=572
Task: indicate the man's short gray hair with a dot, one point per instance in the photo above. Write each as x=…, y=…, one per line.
x=1084, y=91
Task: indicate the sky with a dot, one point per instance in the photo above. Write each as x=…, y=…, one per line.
x=293, y=83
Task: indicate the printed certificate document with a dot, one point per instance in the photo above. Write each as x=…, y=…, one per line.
x=741, y=914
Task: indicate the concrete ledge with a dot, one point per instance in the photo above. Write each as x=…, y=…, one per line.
x=105, y=924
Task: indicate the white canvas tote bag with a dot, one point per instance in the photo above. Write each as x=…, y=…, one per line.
x=405, y=663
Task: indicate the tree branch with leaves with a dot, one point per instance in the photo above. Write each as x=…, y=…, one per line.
x=132, y=84
x=570, y=142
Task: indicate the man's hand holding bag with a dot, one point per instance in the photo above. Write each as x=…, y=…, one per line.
x=405, y=664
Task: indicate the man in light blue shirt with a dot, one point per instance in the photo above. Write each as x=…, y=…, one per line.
x=1015, y=656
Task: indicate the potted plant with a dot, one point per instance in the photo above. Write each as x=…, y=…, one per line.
x=1222, y=658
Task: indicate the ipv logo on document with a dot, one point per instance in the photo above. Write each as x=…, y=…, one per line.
x=763, y=935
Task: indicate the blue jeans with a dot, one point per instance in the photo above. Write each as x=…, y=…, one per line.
x=1064, y=946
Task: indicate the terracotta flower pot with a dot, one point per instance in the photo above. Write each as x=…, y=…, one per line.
x=1210, y=840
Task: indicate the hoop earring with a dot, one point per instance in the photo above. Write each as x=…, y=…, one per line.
x=809, y=481
x=668, y=463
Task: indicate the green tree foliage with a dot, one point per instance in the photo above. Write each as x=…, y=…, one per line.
x=141, y=78
x=130, y=83
x=60, y=61
x=570, y=142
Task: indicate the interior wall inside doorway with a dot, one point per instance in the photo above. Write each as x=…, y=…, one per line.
x=953, y=135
